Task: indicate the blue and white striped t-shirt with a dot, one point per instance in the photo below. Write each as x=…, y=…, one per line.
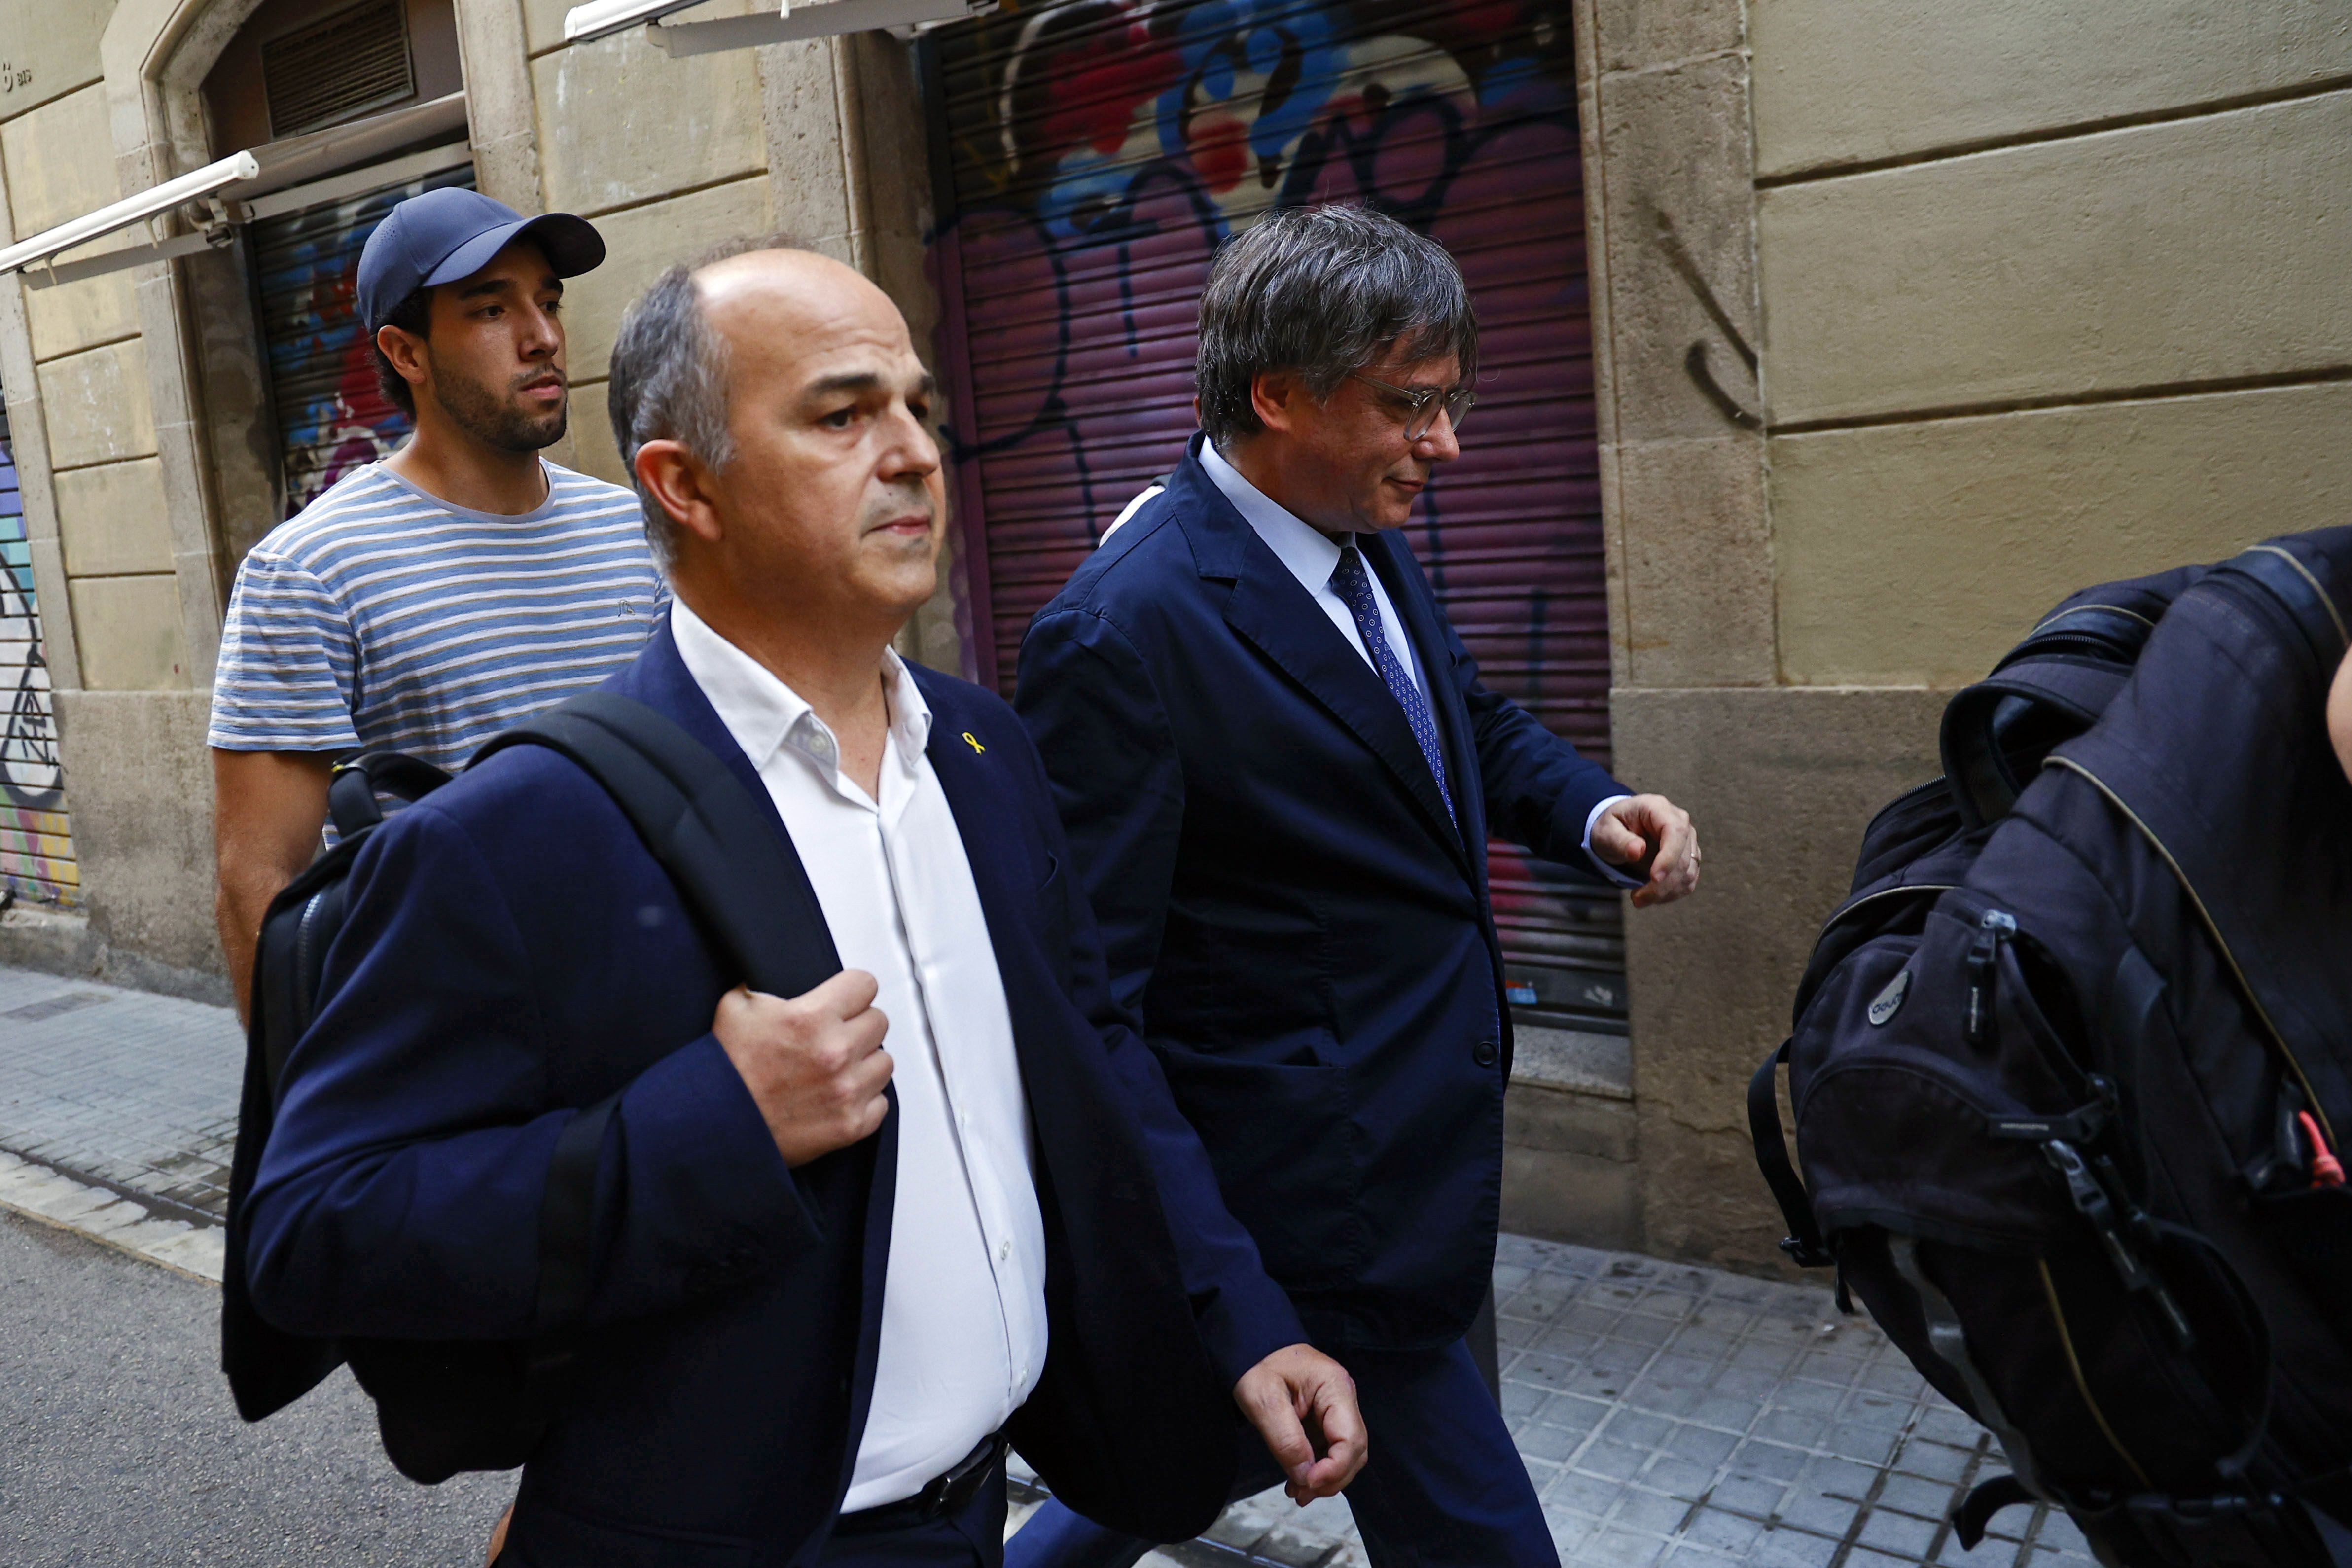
x=384, y=617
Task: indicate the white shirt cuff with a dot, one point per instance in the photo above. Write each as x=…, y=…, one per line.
x=1613, y=873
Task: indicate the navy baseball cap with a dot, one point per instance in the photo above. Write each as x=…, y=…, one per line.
x=452, y=232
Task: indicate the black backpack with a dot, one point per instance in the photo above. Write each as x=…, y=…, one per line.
x=2072, y=1063
x=445, y=1406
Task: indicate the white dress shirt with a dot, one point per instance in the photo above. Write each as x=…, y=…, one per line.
x=1312, y=556
x=964, y=1310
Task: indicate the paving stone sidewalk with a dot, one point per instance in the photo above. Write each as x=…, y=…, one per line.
x=1669, y=1415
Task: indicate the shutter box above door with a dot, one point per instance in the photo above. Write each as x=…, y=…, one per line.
x=344, y=65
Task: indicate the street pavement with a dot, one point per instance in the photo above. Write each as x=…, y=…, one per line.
x=1668, y=1414
x=118, y=1442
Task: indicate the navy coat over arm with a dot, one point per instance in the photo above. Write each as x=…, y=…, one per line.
x=513, y=955
x=1283, y=898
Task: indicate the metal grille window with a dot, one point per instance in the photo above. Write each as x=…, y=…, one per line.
x=36, y=853
x=1097, y=151
x=354, y=60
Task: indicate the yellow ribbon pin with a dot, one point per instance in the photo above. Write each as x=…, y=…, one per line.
x=974, y=744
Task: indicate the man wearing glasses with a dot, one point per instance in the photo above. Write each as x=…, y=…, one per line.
x=1278, y=769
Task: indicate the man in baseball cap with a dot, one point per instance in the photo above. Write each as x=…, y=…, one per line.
x=486, y=261
x=430, y=598
x=447, y=235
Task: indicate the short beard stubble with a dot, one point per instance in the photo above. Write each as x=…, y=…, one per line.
x=495, y=422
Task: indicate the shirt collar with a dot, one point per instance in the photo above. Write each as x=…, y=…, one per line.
x=1299, y=545
x=763, y=714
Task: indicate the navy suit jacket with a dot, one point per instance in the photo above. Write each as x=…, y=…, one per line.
x=1282, y=897
x=514, y=953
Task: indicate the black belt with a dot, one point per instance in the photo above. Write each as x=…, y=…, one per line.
x=941, y=1496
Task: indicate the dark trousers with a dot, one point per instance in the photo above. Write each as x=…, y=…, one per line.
x=1444, y=1487
x=969, y=1537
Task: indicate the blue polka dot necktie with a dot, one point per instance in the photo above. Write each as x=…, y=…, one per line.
x=1355, y=590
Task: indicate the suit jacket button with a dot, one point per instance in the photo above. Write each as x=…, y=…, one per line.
x=1483, y=1052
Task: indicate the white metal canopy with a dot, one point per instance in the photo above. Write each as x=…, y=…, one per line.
x=261, y=182
x=602, y=18
x=153, y=203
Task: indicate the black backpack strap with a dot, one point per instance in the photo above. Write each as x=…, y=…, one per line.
x=1803, y=1244
x=715, y=842
x=702, y=823
x=1975, y=1513
x=350, y=792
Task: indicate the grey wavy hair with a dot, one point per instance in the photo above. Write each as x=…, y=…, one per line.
x=1324, y=291
x=669, y=378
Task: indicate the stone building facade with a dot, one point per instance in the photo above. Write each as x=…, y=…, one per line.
x=1835, y=344
x=1917, y=316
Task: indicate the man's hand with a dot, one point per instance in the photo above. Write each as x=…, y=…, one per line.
x=814, y=1064
x=1300, y=1401
x=1649, y=836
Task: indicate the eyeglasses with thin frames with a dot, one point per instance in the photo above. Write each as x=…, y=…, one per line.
x=1425, y=400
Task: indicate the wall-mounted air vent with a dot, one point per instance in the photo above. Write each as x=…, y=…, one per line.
x=353, y=60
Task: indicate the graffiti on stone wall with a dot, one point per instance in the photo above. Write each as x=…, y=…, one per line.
x=36, y=858
x=30, y=775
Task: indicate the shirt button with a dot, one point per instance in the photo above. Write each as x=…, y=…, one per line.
x=1483, y=1052
x=1004, y=1250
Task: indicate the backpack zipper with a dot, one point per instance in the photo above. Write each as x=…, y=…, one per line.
x=2245, y=989
x=1805, y=995
x=1984, y=964
x=1838, y=919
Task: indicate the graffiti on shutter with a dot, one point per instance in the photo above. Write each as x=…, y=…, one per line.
x=331, y=417
x=1098, y=150
x=37, y=855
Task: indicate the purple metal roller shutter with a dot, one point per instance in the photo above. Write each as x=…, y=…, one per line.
x=331, y=417
x=1093, y=153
